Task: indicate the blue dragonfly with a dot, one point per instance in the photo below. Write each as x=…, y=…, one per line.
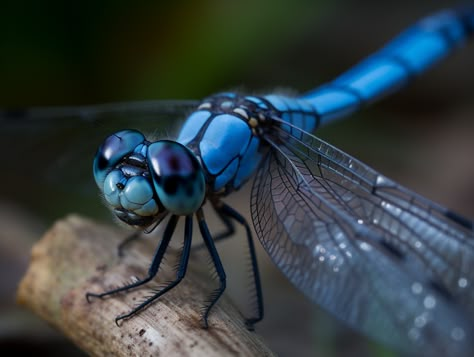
x=386, y=261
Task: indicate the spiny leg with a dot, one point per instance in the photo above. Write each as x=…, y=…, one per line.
x=155, y=264
x=181, y=272
x=216, y=294
x=229, y=227
x=132, y=237
x=228, y=231
x=227, y=211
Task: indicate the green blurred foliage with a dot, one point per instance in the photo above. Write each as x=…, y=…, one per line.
x=62, y=52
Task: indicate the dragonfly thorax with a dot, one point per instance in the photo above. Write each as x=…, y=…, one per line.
x=225, y=133
x=142, y=181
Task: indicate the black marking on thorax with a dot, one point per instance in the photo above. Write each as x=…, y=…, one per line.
x=255, y=116
x=238, y=106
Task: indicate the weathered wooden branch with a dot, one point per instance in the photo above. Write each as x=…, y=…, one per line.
x=78, y=255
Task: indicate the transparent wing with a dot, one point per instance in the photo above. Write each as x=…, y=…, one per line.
x=48, y=152
x=386, y=261
x=95, y=113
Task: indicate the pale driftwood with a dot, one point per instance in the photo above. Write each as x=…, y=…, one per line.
x=78, y=255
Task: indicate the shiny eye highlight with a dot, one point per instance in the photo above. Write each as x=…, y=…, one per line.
x=177, y=176
x=112, y=150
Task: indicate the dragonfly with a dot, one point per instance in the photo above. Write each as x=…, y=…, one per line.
x=384, y=260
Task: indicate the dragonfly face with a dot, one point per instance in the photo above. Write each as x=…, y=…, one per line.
x=142, y=181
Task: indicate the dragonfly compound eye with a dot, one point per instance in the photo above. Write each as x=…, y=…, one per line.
x=121, y=172
x=112, y=150
x=132, y=198
x=177, y=176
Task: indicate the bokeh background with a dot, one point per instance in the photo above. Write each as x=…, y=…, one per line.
x=74, y=53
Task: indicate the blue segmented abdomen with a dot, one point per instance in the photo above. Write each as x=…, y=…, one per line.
x=412, y=52
x=299, y=112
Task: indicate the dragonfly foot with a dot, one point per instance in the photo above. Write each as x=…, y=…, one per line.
x=118, y=320
x=204, y=323
x=93, y=295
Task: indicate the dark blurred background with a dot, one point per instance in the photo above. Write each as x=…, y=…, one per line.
x=73, y=53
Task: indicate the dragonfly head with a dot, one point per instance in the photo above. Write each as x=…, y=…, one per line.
x=142, y=181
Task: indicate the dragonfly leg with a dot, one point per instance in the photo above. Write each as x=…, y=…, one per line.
x=181, y=272
x=155, y=264
x=228, y=231
x=216, y=294
x=227, y=212
x=132, y=237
